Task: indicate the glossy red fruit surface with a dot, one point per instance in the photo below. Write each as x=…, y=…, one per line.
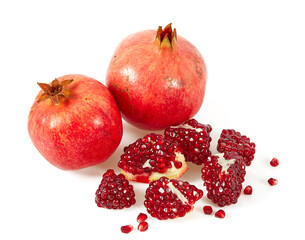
x=75, y=122
x=157, y=78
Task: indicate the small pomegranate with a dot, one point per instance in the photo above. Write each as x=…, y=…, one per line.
x=75, y=122
x=157, y=78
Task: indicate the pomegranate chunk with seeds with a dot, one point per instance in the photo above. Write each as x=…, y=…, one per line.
x=232, y=141
x=114, y=192
x=223, y=175
x=194, y=139
x=152, y=157
x=169, y=199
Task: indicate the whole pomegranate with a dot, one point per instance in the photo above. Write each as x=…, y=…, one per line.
x=75, y=122
x=157, y=78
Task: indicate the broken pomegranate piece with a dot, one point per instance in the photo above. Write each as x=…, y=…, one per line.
x=168, y=198
x=152, y=157
x=223, y=175
x=194, y=139
x=114, y=192
x=232, y=141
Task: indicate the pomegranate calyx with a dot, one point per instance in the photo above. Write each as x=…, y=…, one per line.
x=55, y=90
x=166, y=37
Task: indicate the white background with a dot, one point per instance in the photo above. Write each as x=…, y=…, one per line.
x=255, y=55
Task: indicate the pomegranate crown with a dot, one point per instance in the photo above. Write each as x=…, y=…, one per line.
x=55, y=90
x=167, y=36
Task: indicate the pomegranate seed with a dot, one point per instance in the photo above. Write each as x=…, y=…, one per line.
x=127, y=228
x=248, y=190
x=207, y=210
x=220, y=214
x=141, y=217
x=272, y=181
x=274, y=162
x=143, y=226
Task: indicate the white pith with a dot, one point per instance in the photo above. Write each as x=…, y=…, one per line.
x=172, y=172
x=224, y=163
x=177, y=192
x=186, y=126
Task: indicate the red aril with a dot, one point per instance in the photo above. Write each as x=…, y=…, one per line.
x=157, y=78
x=75, y=122
x=126, y=228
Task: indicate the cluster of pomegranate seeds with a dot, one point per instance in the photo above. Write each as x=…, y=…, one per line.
x=232, y=141
x=223, y=175
x=152, y=153
x=126, y=228
x=272, y=181
x=220, y=214
x=169, y=199
x=248, y=190
x=114, y=192
x=274, y=162
x=207, y=210
x=194, y=139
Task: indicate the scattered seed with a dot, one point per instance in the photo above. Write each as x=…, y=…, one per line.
x=248, y=190
x=274, y=162
x=143, y=226
x=141, y=217
x=220, y=214
x=126, y=228
x=272, y=181
x=207, y=210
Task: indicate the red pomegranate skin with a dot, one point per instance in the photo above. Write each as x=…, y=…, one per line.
x=80, y=131
x=156, y=87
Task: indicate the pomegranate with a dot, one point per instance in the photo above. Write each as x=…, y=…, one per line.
x=157, y=78
x=75, y=122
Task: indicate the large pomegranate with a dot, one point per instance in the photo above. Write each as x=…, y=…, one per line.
x=75, y=122
x=157, y=78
